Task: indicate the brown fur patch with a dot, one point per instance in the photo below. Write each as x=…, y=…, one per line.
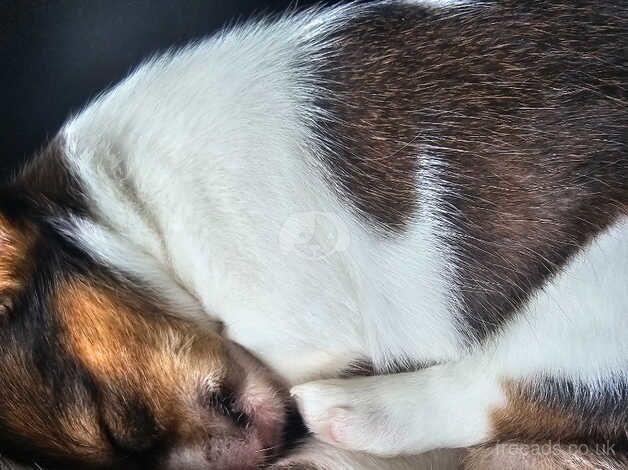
x=108, y=326
x=49, y=182
x=33, y=412
x=559, y=411
x=517, y=110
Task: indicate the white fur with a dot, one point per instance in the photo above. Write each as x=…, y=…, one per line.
x=575, y=328
x=203, y=172
x=204, y=177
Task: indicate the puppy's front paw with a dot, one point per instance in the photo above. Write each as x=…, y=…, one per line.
x=346, y=415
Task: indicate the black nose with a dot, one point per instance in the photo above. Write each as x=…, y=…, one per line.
x=295, y=430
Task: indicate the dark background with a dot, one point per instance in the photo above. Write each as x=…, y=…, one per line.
x=57, y=54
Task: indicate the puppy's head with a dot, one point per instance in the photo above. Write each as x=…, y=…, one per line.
x=95, y=374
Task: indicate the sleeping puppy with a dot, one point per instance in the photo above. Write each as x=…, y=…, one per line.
x=438, y=188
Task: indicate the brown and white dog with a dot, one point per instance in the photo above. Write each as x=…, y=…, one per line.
x=437, y=187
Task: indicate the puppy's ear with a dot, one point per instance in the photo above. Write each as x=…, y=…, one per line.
x=16, y=261
x=6, y=305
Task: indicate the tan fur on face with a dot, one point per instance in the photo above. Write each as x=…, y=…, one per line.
x=129, y=345
x=109, y=330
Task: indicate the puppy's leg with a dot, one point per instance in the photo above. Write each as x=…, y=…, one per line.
x=464, y=404
x=409, y=413
x=317, y=455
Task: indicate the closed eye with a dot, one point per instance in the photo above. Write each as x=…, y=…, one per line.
x=225, y=403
